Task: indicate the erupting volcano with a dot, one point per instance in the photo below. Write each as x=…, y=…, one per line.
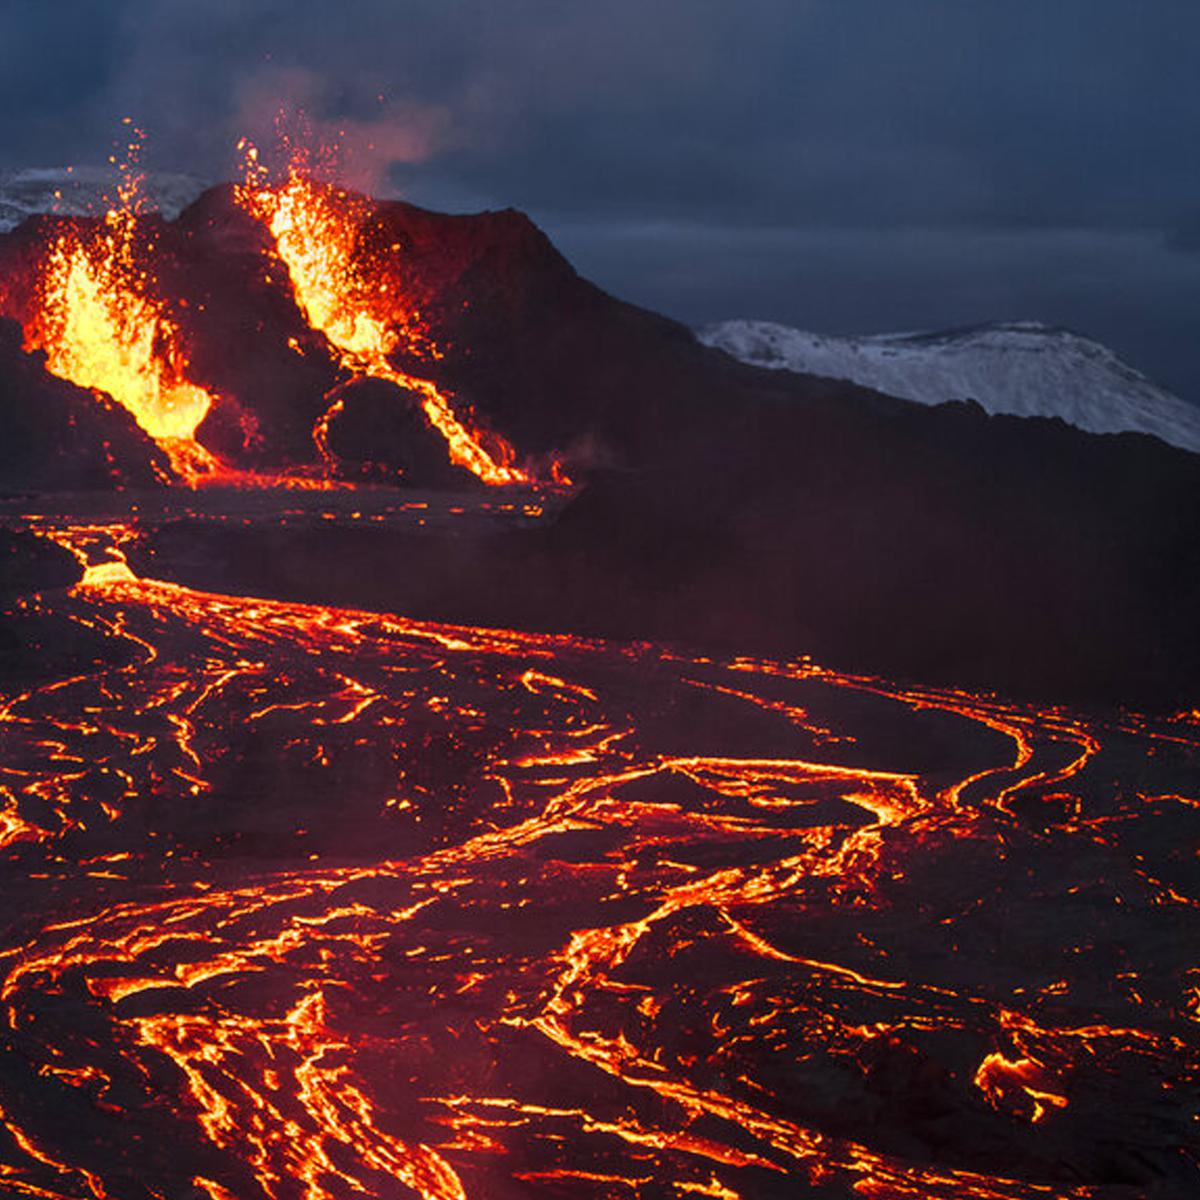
x=345, y=292
x=94, y=301
x=388, y=818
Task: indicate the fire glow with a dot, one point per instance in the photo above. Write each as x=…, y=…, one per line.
x=346, y=296
x=102, y=325
x=97, y=311
x=520, y=931
x=310, y=902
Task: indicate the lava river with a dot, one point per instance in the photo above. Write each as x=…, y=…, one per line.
x=305, y=902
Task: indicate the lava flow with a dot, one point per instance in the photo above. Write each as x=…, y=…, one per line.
x=308, y=902
x=346, y=294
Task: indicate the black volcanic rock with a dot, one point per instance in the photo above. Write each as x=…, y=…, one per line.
x=937, y=544
x=486, y=287
x=381, y=429
x=247, y=341
x=29, y=563
x=527, y=347
x=57, y=437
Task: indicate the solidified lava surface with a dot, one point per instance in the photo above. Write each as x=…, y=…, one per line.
x=314, y=902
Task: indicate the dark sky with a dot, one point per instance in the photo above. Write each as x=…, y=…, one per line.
x=843, y=165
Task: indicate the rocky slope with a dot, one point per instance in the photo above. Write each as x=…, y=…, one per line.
x=721, y=502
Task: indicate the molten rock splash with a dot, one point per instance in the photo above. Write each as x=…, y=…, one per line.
x=103, y=326
x=347, y=295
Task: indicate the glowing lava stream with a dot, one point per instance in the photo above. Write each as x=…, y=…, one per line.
x=315, y=230
x=331, y=903
x=102, y=325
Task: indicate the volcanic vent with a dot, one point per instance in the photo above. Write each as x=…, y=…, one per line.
x=189, y=325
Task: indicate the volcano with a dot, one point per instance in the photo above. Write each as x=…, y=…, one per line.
x=461, y=736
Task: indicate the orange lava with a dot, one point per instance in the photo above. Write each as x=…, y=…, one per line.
x=99, y=316
x=103, y=325
x=348, y=297
x=1021, y=1086
x=577, y=951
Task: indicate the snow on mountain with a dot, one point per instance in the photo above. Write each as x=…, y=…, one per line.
x=83, y=191
x=1024, y=368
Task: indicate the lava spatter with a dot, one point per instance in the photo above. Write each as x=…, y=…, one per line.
x=102, y=323
x=347, y=294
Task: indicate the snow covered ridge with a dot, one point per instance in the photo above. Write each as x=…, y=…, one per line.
x=1023, y=368
x=84, y=191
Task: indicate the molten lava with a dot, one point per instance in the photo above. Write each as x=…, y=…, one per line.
x=94, y=301
x=346, y=294
x=103, y=325
x=309, y=902
x=315, y=903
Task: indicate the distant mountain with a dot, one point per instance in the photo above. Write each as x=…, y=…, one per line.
x=84, y=191
x=1022, y=368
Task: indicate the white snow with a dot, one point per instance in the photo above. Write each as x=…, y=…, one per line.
x=1023, y=367
x=84, y=191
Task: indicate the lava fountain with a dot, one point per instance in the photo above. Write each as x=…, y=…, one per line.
x=103, y=325
x=346, y=295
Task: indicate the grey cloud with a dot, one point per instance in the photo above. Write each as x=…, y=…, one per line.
x=831, y=112
x=1184, y=238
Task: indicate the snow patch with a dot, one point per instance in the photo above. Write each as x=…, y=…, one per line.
x=86, y=191
x=1023, y=368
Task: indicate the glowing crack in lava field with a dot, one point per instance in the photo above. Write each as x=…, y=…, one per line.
x=309, y=902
